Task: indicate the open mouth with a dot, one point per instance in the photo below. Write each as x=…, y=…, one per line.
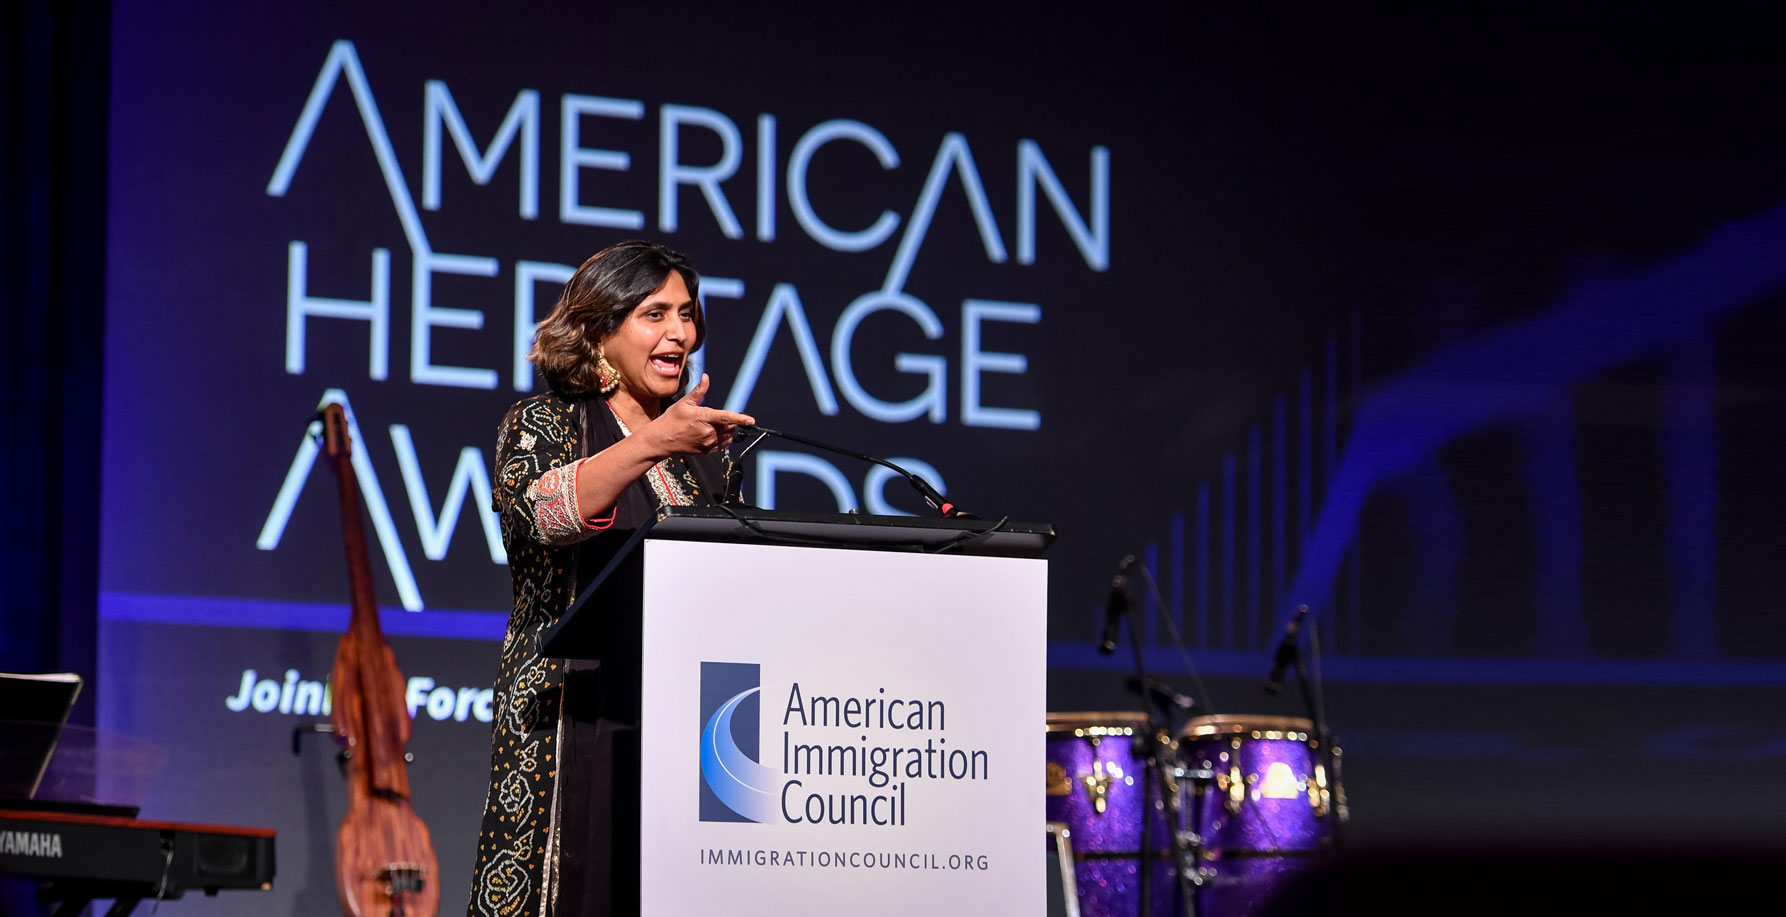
x=667, y=364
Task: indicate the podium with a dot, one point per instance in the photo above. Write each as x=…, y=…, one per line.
x=837, y=713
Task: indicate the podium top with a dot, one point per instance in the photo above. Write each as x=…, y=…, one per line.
x=977, y=537
x=587, y=636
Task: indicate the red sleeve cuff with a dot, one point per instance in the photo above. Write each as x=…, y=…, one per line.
x=600, y=522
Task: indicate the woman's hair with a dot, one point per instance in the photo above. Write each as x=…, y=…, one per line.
x=596, y=301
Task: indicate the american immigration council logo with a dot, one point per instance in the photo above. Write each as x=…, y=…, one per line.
x=734, y=785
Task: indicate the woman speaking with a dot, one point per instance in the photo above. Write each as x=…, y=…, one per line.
x=577, y=470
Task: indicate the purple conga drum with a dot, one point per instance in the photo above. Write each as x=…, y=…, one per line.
x=1097, y=787
x=1260, y=800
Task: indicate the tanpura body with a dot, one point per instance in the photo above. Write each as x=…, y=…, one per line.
x=384, y=858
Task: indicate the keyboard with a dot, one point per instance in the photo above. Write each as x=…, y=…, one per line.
x=77, y=857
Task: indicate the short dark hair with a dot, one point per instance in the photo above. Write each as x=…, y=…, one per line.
x=596, y=301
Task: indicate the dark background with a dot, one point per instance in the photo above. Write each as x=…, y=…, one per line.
x=1506, y=274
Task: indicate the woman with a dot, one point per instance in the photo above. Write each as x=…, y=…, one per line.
x=577, y=469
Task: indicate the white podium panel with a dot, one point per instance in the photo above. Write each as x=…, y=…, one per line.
x=830, y=731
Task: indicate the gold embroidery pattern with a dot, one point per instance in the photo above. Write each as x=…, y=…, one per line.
x=534, y=442
x=556, y=515
x=516, y=869
x=503, y=887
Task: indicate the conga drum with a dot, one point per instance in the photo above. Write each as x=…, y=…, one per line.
x=1265, y=811
x=1097, y=786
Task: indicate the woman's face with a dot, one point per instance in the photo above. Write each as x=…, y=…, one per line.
x=651, y=347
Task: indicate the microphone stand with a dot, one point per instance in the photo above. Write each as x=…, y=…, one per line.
x=1311, y=701
x=1160, y=762
x=936, y=500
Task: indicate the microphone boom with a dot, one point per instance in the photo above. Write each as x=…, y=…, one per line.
x=1116, y=605
x=936, y=500
x=1286, y=652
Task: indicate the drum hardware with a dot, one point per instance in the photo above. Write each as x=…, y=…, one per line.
x=1110, y=856
x=1097, y=733
x=1097, y=786
x=1156, y=761
x=1257, y=832
x=1244, y=726
x=1060, y=836
x=1192, y=844
x=1263, y=853
x=1234, y=784
x=1087, y=752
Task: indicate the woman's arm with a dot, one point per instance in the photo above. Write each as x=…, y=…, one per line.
x=684, y=428
x=535, y=457
x=544, y=493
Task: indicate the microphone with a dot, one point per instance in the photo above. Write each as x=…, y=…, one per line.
x=1160, y=692
x=1116, y=605
x=937, y=501
x=1286, y=652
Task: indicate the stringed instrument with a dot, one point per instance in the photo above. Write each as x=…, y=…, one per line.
x=384, y=858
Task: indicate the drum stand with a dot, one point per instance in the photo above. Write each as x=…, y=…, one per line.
x=1161, y=761
x=1160, y=757
x=1187, y=849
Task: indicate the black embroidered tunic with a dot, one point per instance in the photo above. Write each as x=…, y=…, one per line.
x=564, y=731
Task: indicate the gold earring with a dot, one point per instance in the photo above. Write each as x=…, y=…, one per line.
x=607, y=378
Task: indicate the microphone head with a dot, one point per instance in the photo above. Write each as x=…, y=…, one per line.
x=1121, y=579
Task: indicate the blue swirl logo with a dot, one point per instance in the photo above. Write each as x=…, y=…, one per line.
x=734, y=785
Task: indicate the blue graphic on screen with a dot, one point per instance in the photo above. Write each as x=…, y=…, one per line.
x=734, y=786
x=1667, y=311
